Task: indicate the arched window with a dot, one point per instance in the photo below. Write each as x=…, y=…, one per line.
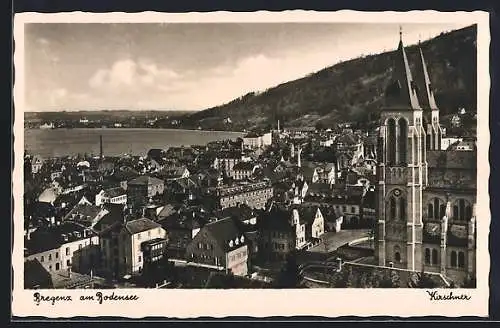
x=402, y=208
x=429, y=141
x=427, y=256
x=436, y=208
x=430, y=210
x=434, y=257
x=453, y=259
x=397, y=254
x=391, y=141
x=462, y=210
x=461, y=260
x=392, y=207
x=403, y=141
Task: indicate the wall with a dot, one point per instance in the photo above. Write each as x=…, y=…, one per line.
x=236, y=261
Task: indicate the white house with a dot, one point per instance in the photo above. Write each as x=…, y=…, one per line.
x=132, y=235
x=113, y=195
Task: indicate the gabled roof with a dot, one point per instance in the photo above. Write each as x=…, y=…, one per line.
x=224, y=231
x=140, y=225
x=145, y=180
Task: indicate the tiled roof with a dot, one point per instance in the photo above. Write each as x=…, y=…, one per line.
x=140, y=225
x=224, y=231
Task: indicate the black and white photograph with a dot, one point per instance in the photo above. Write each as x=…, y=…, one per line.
x=172, y=155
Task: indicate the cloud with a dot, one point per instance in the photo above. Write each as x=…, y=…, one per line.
x=127, y=74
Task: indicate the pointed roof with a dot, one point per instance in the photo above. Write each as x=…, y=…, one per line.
x=426, y=93
x=401, y=93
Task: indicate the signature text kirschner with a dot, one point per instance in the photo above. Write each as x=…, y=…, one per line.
x=448, y=296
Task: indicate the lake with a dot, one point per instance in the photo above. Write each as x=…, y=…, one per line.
x=64, y=142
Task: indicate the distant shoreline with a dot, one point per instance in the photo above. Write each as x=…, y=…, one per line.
x=143, y=128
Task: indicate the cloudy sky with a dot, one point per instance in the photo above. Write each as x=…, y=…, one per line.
x=188, y=66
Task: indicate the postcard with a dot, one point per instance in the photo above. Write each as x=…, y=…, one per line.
x=256, y=164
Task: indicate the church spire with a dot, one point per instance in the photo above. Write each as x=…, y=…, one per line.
x=402, y=93
x=429, y=93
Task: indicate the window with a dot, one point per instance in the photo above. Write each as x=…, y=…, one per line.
x=50, y=267
x=50, y=257
x=392, y=204
x=57, y=266
x=461, y=260
x=434, y=257
x=149, y=233
x=427, y=256
x=402, y=208
x=353, y=209
x=42, y=258
x=139, y=236
x=430, y=211
x=391, y=141
x=403, y=139
x=397, y=254
x=453, y=259
x=140, y=259
x=344, y=208
x=67, y=250
x=68, y=263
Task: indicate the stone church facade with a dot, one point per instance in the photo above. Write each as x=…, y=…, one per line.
x=425, y=196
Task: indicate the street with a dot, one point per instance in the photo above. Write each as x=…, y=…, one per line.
x=336, y=239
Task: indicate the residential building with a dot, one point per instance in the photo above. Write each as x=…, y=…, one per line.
x=253, y=194
x=68, y=245
x=131, y=238
x=243, y=170
x=116, y=195
x=220, y=245
x=256, y=140
x=141, y=189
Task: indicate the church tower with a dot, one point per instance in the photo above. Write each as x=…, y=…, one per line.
x=401, y=170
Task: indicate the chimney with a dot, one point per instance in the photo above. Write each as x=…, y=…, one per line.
x=100, y=146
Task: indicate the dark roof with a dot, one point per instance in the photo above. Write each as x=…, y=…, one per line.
x=115, y=192
x=246, y=166
x=140, y=225
x=242, y=212
x=224, y=281
x=224, y=231
x=35, y=275
x=307, y=213
x=185, y=220
x=276, y=219
x=452, y=159
x=44, y=239
x=145, y=180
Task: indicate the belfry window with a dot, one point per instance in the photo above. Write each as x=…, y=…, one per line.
x=403, y=141
x=391, y=141
x=427, y=256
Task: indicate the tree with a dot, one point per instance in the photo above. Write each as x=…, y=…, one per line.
x=289, y=276
x=424, y=280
